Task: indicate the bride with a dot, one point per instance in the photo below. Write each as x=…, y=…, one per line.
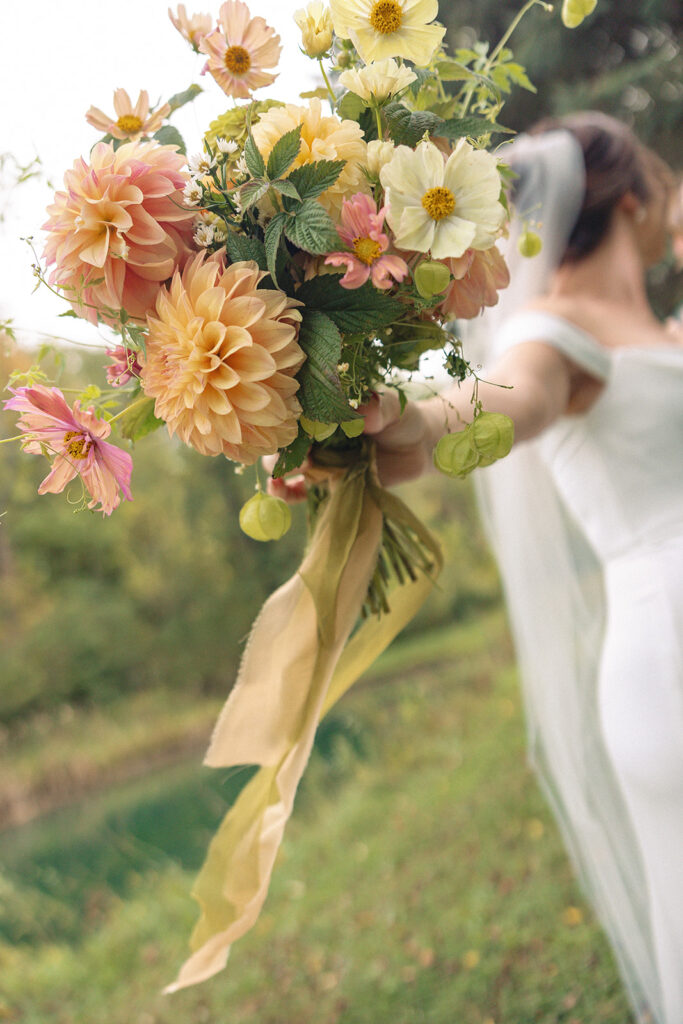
x=586, y=519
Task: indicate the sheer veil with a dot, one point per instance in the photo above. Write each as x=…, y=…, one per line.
x=553, y=585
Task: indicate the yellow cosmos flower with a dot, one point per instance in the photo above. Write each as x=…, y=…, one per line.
x=389, y=28
x=381, y=79
x=315, y=22
x=443, y=206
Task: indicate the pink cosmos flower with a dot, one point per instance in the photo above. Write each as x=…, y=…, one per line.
x=75, y=437
x=129, y=122
x=119, y=229
x=479, y=276
x=191, y=27
x=361, y=230
x=239, y=49
x=124, y=365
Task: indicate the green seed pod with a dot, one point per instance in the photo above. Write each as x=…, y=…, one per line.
x=431, y=278
x=574, y=11
x=353, y=428
x=492, y=436
x=529, y=244
x=454, y=454
x=265, y=517
x=317, y=430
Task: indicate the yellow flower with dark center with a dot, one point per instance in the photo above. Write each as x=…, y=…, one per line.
x=389, y=28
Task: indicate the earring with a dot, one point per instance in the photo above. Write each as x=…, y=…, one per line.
x=640, y=215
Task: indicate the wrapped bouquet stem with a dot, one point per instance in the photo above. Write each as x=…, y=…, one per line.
x=300, y=658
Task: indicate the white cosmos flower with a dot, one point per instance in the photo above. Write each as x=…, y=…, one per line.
x=389, y=28
x=379, y=79
x=443, y=206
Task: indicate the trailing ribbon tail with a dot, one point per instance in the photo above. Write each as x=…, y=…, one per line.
x=297, y=663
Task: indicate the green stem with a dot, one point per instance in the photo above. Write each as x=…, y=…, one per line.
x=133, y=405
x=330, y=90
x=378, y=119
x=17, y=437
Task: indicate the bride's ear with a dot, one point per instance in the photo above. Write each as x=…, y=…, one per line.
x=633, y=206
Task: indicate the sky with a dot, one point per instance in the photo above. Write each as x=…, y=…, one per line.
x=75, y=55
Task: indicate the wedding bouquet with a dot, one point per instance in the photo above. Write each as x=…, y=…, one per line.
x=260, y=293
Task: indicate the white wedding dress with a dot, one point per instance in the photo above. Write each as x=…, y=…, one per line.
x=587, y=521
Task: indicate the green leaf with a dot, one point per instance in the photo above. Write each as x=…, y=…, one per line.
x=170, y=136
x=139, y=420
x=353, y=311
x=407, y=127
x=271, y=242
x=313, y=230
x=252, y=192
x=458, y=127
x=454, y=71
x=312, y=180
x=350, y=107
x=284, y=153
x=286, y=188
x=241, y=247
x=293, y=455
x=256, y=165
x=320, y=391
x=69, y=312
x=179, y=99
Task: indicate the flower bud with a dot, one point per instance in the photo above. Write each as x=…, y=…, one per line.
x=454, y=454
x=492, y=434
x=315, y=22
x=317, y=430
x=265, y=517
x=529, y=244
x=574, y=11
x=431, y=278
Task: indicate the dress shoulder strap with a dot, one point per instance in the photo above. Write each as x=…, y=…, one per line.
x=576, y=344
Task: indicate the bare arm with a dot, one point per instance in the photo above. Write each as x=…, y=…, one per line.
x=538, y=383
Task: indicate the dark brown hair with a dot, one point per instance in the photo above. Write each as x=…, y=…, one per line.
x=616, y=163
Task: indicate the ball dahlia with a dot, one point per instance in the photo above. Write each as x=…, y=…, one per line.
x=221, y=358
x=119, y=229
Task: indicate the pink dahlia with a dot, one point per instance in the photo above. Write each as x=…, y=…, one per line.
x=75, y=437
x=239, y=50
x=124, y=365
x=220, y=360
x=479, y=276
x=361, y=229
x=130, y=122
x=119, y=229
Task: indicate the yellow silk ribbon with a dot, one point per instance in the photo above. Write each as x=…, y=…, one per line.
x=297, y=663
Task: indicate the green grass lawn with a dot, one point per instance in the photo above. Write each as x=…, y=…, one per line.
x=423, y=882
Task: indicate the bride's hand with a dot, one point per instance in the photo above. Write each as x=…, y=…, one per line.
x=292, y=487
x=402, y=439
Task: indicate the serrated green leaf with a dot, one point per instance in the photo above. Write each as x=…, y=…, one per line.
x=139, y=420
x=170, y=136
x=354, y=311
x=454, y=71
x=407, y=127
x=179, y=99
x=459, y=127
x=252, y=192
x=256, y=165
x=312, y=180
x=284, y=153
x=518, y=75
x=240, y=248
x=293, y=455
x=320, y=391
x=286, y=188
x=271, y=241
x=312, y=229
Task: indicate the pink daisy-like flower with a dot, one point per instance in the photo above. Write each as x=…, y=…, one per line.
x=361, y=229
x=130, y=121
x=75, y=437
x=478, y=277
x=120, y=228
x=124, y=365
x=239, y=49
x=191, y=27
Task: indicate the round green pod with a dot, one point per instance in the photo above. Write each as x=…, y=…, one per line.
x=529, y=244
x=493, y=434
x=431, y=278
x=454, y=454
x=265, y=517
